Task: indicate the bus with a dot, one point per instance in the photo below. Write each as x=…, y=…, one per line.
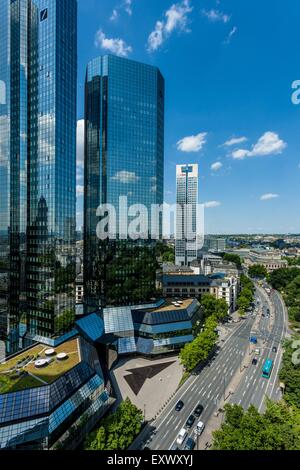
x=267, y=369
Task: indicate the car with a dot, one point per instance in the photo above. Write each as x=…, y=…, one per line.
x=181, y=436
x=174, y=446
x=190, y=421
x=257, y=352
x=200, y=428
x=254, y=361
x=190, y=444
x=179, y=405
x=274, y=349
x=198, y=411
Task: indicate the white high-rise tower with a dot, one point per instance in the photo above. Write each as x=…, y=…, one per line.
x=186, y=216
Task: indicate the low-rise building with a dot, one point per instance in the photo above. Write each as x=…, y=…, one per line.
x=164, y=326
x=270, y=259
x=188, y=284
x=51, y=398
x=226, y=288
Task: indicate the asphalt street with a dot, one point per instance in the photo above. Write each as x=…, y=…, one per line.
x=209, y=386
x=253, y=389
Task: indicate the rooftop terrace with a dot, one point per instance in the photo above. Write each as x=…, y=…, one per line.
x=169, y=305
x=20, y=372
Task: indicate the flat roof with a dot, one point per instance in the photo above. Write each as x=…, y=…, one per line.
x=19, y=372
x=168, y=305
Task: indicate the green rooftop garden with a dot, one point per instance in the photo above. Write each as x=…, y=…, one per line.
x=20, y=372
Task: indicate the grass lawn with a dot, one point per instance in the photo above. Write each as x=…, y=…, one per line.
x=9, y=382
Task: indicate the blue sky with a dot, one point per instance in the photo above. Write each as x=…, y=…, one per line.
x=229, y=66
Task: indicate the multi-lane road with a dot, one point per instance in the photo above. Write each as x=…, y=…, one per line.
x=212, y=384
x=252, y=389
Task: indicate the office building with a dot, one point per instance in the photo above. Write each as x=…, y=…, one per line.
x=149, y=329
x=124, y=157
x=215, y=244
x=38, y=74
x=186, y=245
x=50, y=399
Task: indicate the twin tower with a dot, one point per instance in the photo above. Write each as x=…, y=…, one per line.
x=124, y=155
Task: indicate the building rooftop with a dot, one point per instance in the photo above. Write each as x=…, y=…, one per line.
x=169, y=306
x=21, y=372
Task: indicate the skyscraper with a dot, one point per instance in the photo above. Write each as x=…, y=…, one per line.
x=38, y=75
x=186, y=245
x=124, y=156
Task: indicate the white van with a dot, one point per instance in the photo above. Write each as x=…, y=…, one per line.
x=181, y=436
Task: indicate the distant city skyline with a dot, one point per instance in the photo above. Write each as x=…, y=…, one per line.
x=228, y=106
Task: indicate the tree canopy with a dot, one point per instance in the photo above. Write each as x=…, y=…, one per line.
x=290, y=375
x=246, y=296
x=233, y=259
x=118, y=430
x=214, y=307
x=198, y=350
x=257, y=271
x=276, y=429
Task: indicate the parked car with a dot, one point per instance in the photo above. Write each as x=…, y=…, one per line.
x=174, y=446
x=181, y=436
x=179, y=405
x=190, y=444
x=190, y=421
x=198, y=411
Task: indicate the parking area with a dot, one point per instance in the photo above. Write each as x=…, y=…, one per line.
x=148, y=383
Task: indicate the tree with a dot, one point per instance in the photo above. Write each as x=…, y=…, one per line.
x=257, y=271
x=290, y=375
x=198, y=350
x=242, y=304
x=65, y=321
x=118, y=430
x=233, y=259
x=280, y=278
x=276, y=429
x=214, y=307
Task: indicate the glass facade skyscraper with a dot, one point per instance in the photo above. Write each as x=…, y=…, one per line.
x=186, y=243
x=38, y=75
x=124, y=156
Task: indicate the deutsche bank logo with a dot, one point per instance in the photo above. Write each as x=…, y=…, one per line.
x=44, y=14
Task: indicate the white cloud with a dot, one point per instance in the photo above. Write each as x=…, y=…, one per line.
x=115, y=46
x=114, y=15
x=79, y=190
x=80, y=143
x=235, y=141
x=268, y=144
x=125, y=5
x=125, y=177
x=230, y=35
x=128, y=7
x=216, y=15
x=269, y=196
x=193, y=143
x=216, y=166
x=176, y=18
x=211, y=204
